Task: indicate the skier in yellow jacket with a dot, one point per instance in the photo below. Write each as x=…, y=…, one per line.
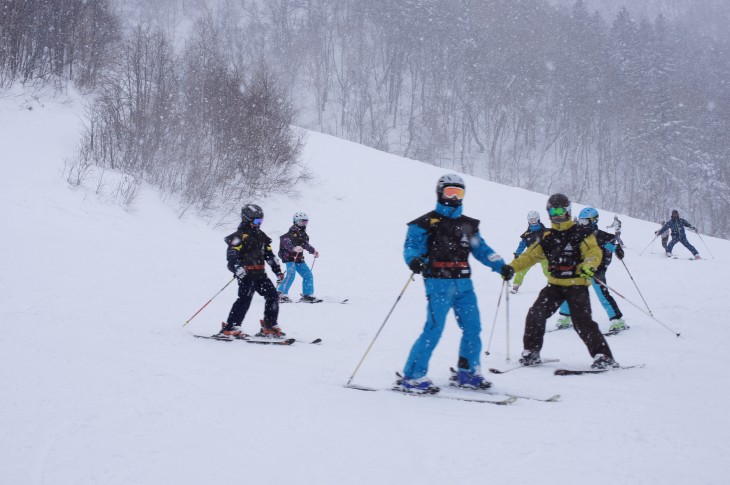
x=573, y=256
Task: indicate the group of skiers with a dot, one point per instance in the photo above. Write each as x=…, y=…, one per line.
x=249, y=250
x=574, y=254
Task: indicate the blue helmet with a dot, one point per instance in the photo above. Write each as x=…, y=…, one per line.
x=589, y=215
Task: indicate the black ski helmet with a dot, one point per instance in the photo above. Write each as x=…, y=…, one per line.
x=557, y=201
x=449, y=180
x=675, y=214
x=251, y=212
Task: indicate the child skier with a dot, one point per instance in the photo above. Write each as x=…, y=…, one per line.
x=248, y=249
x=677, y=225
x=291, y=251
x=573, y=256
x=438, y=244
x=616, y=226
x=589, y=217
x=664, y=235
x=534, y=232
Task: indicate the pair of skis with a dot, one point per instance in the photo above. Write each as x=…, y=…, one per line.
x=455, y=393
x=257, y=340
x=565, y=372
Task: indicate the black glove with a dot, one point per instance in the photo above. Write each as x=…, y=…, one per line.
x=279, y=278
x=417, y=265
x=516, y=255
x=507, y=272
x=619, y=252
x=239, y=271
x=656, y=233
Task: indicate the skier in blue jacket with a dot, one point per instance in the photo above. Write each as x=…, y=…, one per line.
x=438, y=245
x=676, y=224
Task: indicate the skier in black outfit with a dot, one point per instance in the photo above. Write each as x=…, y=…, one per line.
x=248, y=249
x=676, y=224
x=573, y=256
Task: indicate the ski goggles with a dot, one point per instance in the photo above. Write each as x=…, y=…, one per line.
x=557, y=211
x=453, y=192
x=533, y=222
x=258, y=221
x=586, y=222
x=302, y=222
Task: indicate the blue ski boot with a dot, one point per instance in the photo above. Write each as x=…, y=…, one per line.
x=422, y=385
x=469, y=380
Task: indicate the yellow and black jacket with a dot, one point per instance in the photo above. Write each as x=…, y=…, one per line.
x=251, y=248
x=567, y=247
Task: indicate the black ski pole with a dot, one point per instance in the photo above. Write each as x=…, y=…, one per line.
x=506, y=314
x=634, y=305
x=637, y=287
x=410, y=278
x=703, y=242
x=647, y=246
x=201, y=308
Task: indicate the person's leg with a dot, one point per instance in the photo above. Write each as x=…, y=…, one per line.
x=687, y=245
x=241, y=305
x=607, y=301
x=440, y=294
x=545, y=306
x=467, y=317
x=307, y=279
x=580, y=311
x=288, y=278
x=671, y=244
x=265, y=288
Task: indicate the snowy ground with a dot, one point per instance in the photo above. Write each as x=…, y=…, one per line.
x=101, y=384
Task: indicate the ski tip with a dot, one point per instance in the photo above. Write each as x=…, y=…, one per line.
x=316, y=341
x=496, y=371
x=359, y=388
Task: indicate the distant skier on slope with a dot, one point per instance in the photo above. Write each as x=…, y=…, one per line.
x=291, y=251
x=589, y=217
x=248, y=249
x=676, y=224
x=438, y=245
x=664, y=235
x=534, y=232
x=616, y=226
x=573, y=255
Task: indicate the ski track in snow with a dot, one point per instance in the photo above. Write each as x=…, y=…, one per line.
x=100, y=383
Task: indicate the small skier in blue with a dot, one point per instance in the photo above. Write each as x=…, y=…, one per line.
x=438, y=245
x=676, y=224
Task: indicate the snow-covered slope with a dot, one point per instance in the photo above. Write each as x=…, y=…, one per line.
x=100, y=382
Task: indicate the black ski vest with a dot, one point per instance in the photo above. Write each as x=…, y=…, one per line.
x=531, y=237
x=249, y=247
x=562, y=250
x=449, y=244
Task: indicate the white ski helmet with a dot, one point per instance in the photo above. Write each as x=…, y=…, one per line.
x=299, y=217
x=449, y=180
x=533, y=215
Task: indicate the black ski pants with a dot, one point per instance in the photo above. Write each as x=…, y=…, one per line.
x=548, y=302
x=262, y=285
